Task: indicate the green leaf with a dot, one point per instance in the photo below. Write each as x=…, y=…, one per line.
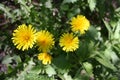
x=114, y=57
x=24, y=8
x=117, y=12
x=105, y=61
x=27, y=69
x=110, y=54
x=117, y=31
x=36, y=69
x=48, y=4
x=32, y=76
x=50, y=70
x=69, y=1
x=7, y=59
x=92, y=4
x=67, y=77
x=108, y=28
x=113, y=78
x=64, y=7
x=93, y=33
x=61, y=63
x=83, y=75
x=17, y=58
x=6, y=10
x=88, y=67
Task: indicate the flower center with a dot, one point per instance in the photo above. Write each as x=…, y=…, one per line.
x=27, y=38
x=68, y=42
x=43, y=42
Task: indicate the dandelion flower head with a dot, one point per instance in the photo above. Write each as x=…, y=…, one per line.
x=45, y=40
x=80, y=23
x=69, y=42
x=45, y=58
x=24, y=37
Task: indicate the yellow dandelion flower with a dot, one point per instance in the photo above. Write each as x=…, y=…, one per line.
x=24, y=37
x=69, y=42
x=45, y=58
x=80, y=23
x=45, y=40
